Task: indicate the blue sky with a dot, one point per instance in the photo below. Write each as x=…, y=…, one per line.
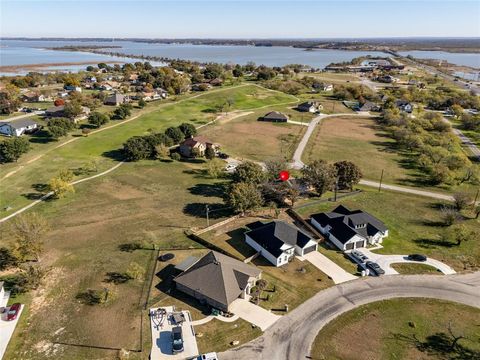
x=239, y=19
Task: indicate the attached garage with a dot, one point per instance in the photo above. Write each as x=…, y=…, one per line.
x=359, y=244
x=309, y=249
x=349, y=246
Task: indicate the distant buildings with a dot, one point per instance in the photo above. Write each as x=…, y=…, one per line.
x=309, y=106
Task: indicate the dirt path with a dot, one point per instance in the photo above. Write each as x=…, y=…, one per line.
x=113, y=126
x=49, y=194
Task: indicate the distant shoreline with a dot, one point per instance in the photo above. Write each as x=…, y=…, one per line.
x=451, y=45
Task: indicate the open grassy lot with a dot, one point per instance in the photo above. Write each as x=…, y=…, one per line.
x=331, y=77
x=149, y=202
x=401, y=329
x=359, y=140
x=217, y=335
x=411, y=268
x=415, y=226
x=246, y=137
x=363, y=142
x=18, y=190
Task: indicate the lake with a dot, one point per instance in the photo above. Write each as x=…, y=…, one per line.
x=466, y=59
x=21, y=52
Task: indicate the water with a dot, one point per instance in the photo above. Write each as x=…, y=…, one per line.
x=465, y=59
x=18, y=52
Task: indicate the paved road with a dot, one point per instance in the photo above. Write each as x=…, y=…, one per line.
x=27, y=115
x=292, y=336
x=404, y=189
x=468, y=143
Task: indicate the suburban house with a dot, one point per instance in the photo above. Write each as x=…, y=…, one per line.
x=115, y=99
x=274, y=116
x=349, y=229
x=62, y=94
x=404, y=105
x=18, y=127
x=309, y=106
x=59, y=111
x=278, y=241
x=216, y=279
x=72, y=88
x=35, y=97
x=327, y=87
x=368, y=106
x=198, y=142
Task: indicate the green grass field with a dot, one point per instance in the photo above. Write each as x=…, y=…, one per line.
x=415, y=226
x=363, y=142
x=17, y=190
x=401, y=329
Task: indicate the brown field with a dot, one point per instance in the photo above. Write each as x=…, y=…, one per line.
x=245, y=137
x=400, y=329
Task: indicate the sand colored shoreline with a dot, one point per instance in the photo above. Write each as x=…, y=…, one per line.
x=32, y=67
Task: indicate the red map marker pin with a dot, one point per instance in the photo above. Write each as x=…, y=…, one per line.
x=284, y=175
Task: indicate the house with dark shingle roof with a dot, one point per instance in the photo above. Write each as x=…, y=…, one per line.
x=278, y=241
x=350, y=229
x=309, y=106
x=217, y=280
x=274, y=116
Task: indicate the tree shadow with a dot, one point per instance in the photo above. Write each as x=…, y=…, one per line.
x=237, y=241
x=216, y=210
x=130, y=247
x=40, y=137
x=116, y=155
x=209, y=190
x=197, y=173
x=439, y=345
x=432, y=243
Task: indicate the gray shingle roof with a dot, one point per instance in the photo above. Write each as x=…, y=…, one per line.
x=218, y=277
x=18, y=124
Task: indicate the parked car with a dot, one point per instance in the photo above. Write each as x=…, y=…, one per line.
x=359, y=255
x=177, y=340
x=375, y=268
x=417, y=257
x=13, y=311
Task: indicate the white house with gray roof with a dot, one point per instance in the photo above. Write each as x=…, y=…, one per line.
x=350, y=229
x=18, y=127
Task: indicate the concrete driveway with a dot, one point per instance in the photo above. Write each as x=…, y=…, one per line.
x=253, y=314
x=324, y=264
x=7, y=327
x=386, y=260
x=162, y=336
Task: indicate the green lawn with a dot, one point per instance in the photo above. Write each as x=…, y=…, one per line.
x=217, y=335
x=148, y=202
x=414, y=225
x=363, y=142
x=407, y=329
x=412, y=268
x=18, y=189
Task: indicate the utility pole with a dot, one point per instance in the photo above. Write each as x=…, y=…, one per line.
x=336, y=189
x=207, y=210
x=380, y=185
